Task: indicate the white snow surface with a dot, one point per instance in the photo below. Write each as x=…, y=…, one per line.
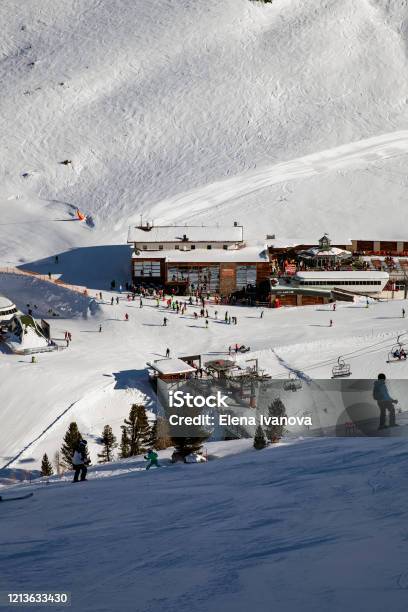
x=315, y=524
x=290, y=118
x=200, y=112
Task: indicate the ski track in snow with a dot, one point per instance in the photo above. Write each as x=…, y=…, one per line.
x=212, y=196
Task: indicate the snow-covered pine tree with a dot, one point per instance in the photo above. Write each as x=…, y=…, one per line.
x=71, y=439
x=46, y=467
x=259, y=438
x=277, y=409
x=108, y=440
x=124, y=444
x=138, y=430
x=160, y=435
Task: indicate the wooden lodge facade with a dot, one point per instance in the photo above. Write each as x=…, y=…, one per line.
x=195, y=258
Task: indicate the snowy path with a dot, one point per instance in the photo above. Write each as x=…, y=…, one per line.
x=361, y=153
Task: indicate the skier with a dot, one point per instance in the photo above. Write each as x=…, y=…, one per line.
x=403, y=313
x=56, y=259
x=49, y=275
x=126, y=316
x=206, y=323
x=331, y=323
x=167, y=352
x=165, y=322
x=112, y=301
x=100, y=328
x=151, y=457
x=216, y=315
x=262, y=313
x=384, y=401
x=69, y=336
x=80, y=460
x=100, y=295
x=334, y=306
x=117, y=300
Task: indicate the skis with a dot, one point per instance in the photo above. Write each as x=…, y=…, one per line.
x=5, y=499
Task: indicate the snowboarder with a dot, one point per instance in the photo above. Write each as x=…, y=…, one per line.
x=152, y=459
x=80, y=460
x=385, y=402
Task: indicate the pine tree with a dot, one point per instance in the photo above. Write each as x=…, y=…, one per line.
x=71, y=439
x=108, y=440
x=185, y=446
x=259, y=438
x=124, y=444
x=138, y=430
x=160, y=436
x=46, y=467
x=277, y=409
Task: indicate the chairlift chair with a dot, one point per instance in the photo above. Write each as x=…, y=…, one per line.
x=293, y=383
x=341, y=369
x=395, y=354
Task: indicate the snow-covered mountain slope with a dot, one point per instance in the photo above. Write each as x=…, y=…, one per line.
x=315, y=525
x=149, y=100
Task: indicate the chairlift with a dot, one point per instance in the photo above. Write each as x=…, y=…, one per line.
x=293, y=383
x=397, y=353
x=341, y=369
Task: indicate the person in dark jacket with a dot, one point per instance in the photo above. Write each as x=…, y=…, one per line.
x=385, y=402
x=80, y=461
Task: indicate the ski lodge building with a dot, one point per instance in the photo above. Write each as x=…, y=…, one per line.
x=212, y=259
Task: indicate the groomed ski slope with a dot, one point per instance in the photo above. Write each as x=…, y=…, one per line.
x=315, y=525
